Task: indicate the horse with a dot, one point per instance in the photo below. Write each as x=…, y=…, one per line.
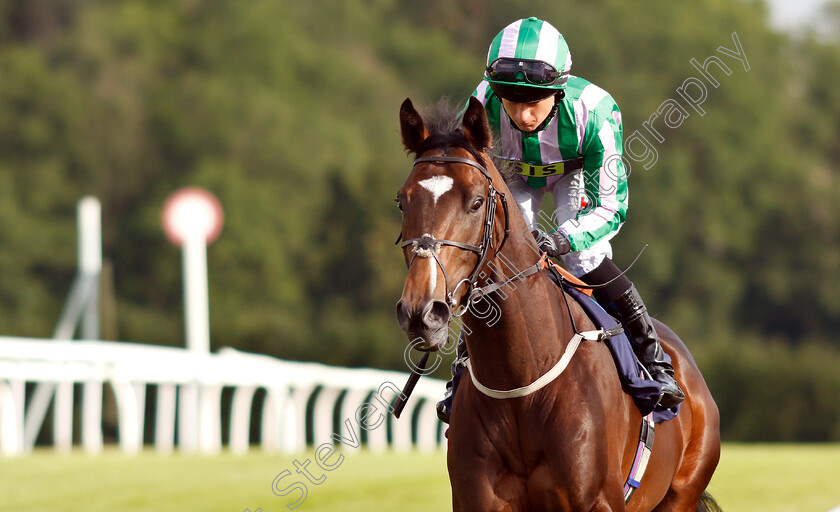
x=569, y=445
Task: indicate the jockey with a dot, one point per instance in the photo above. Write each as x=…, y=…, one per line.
x=563, y=134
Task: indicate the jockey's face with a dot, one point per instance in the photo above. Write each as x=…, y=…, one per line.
x=529, y=116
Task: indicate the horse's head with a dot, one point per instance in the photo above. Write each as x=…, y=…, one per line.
x=450, y=224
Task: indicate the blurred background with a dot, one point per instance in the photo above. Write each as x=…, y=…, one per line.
x=288, y=112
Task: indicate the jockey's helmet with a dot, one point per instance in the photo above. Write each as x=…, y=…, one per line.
x=528, y=61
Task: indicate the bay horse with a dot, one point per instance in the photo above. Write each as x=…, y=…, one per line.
x=570, y=445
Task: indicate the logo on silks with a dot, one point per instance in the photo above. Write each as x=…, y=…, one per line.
x=543, y=171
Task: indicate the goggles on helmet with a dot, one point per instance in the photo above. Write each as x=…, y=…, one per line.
x=534, y=72
x=519, y=93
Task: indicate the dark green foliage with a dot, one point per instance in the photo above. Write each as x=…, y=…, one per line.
x=773, y=392
x=287, y=111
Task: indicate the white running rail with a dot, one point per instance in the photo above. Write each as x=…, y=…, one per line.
x=297, y=396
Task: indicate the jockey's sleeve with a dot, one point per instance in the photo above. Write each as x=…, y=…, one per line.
x=604, y=207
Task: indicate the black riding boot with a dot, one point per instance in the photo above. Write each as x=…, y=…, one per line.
x=444, y=407
x=618, y=295
x=645, y=341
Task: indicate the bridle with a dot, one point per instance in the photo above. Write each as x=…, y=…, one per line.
x=427, y=245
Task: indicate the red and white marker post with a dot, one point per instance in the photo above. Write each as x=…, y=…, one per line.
x=193, y=218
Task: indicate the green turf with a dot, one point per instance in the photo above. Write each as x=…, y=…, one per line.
x=766, y=478
x=778, y=478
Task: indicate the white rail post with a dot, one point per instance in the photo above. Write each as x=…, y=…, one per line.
x=240, y=419
x=82, y=302
x=90, y=264
x=165, y=418
x=11, y=433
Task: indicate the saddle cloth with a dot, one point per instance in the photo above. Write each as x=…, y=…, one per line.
x=634, y=381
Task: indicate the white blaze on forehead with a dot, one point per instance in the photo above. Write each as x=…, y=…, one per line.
x=432, y=275
x=437, y=185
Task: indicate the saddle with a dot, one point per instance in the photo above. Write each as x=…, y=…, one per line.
x=634, y=378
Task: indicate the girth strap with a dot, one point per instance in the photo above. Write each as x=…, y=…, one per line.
x=640, y=462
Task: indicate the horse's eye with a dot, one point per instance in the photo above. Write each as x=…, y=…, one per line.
x=477, y=202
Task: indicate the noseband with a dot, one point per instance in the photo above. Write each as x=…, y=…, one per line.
x=428, y=245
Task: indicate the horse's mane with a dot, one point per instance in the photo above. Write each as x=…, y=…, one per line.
x=443, y=120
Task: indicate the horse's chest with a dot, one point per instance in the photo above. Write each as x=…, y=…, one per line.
x=536, y=456
x=545, y=460
x=556, y=484
x=552, y=469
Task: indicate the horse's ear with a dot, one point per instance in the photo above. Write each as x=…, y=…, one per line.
x=413, y=129
x=476, y=127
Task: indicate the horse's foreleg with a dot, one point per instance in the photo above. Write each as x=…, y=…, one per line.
x=498, y=506
x=609, y=499
x=608, y=504
x=483, y=499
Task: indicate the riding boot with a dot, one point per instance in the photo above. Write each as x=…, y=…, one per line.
x=633, y=314
x=444, y=407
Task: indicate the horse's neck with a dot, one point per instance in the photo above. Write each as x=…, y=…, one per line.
x=518, y=333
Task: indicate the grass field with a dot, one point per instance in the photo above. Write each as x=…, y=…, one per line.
x=765, y=478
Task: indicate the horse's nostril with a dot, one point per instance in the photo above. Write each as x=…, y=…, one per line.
x=436, y=314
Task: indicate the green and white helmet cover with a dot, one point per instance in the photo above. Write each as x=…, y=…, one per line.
x=531, y=39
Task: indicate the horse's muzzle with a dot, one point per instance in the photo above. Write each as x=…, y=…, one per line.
x=427, y=327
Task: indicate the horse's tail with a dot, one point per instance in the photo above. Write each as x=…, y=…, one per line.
x=708, y=504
